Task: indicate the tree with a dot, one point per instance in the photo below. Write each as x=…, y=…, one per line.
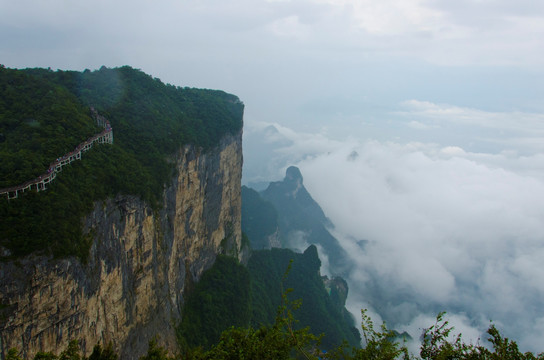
x=155, y=352
x=103, y=354
x=437, y=346
x=278, y=341
x=72, y=351
x=13, y=354
x=507, y=349
x=379, y=344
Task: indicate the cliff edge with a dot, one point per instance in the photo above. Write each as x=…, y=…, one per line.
x=141, y=263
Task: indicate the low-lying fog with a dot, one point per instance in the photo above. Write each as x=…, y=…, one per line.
x=429, y=227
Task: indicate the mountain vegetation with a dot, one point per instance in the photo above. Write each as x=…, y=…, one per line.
x=318, y=310
x=230, y=294
x=259, y=218
x=45, y=114
x=220, y=299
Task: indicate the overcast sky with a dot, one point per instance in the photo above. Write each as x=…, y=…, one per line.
x=418, y=126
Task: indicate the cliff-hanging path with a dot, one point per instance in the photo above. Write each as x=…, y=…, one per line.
x=41, y=182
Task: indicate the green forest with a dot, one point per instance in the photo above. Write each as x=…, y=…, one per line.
x=44, y=114
x=230, y=294
x=259, y=218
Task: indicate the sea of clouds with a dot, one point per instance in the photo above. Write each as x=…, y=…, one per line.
x=429, y=227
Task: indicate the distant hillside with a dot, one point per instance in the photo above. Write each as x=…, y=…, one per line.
x=44, y=114
x=301, y=220
x=322, y=310
x=230, y=294
x=259, y=220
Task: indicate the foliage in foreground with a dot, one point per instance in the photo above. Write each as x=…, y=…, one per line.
x=437, y=345
x=281, y=341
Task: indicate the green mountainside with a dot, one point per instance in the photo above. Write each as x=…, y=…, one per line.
x=323, y=313
x=221, y=299
x=283, y=209
x=45, y=114
x=259, y=218
x=39, y=121
x=230, y=294
x=300, y=219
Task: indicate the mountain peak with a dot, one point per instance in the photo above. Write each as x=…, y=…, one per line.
x=293, y=174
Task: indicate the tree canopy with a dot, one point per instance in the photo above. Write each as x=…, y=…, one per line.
x=44, y=114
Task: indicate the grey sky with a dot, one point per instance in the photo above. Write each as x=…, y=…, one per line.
x=443, y=101
x=299, y=61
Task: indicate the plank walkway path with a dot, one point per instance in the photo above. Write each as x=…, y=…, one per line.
x=41, y=182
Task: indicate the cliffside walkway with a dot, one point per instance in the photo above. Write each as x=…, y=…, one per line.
x=41, y=182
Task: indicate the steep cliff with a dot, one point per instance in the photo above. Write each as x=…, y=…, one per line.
x=141, y=262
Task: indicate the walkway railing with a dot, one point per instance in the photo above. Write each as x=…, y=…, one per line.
x=41, y=182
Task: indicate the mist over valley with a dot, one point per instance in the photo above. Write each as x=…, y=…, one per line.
x=426, y=228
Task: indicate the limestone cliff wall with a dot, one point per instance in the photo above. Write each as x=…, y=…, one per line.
x=141, y=263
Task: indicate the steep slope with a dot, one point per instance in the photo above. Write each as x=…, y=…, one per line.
x=151, y=214
x=259, y=220
x=230, y=294
x=323, y=313
x=302, y=221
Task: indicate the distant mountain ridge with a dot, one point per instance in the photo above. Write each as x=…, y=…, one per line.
x=230, y=294
x=284, y=217
x=300, y=219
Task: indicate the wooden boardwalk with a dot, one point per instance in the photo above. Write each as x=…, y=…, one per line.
x=41, y=182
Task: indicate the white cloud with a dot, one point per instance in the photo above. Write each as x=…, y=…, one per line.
x=273, y=147
x=391, y=16
x=518, y=130
x=418, y=125
x=449, y=232
x=289, y=26
x=514, y=121
x=444, y=228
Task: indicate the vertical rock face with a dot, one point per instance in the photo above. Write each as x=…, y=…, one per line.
x=141, y=263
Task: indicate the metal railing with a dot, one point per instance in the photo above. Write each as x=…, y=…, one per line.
x=41, y=182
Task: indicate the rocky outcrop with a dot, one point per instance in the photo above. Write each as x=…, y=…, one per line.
x=302, y=221
x=141, y=263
